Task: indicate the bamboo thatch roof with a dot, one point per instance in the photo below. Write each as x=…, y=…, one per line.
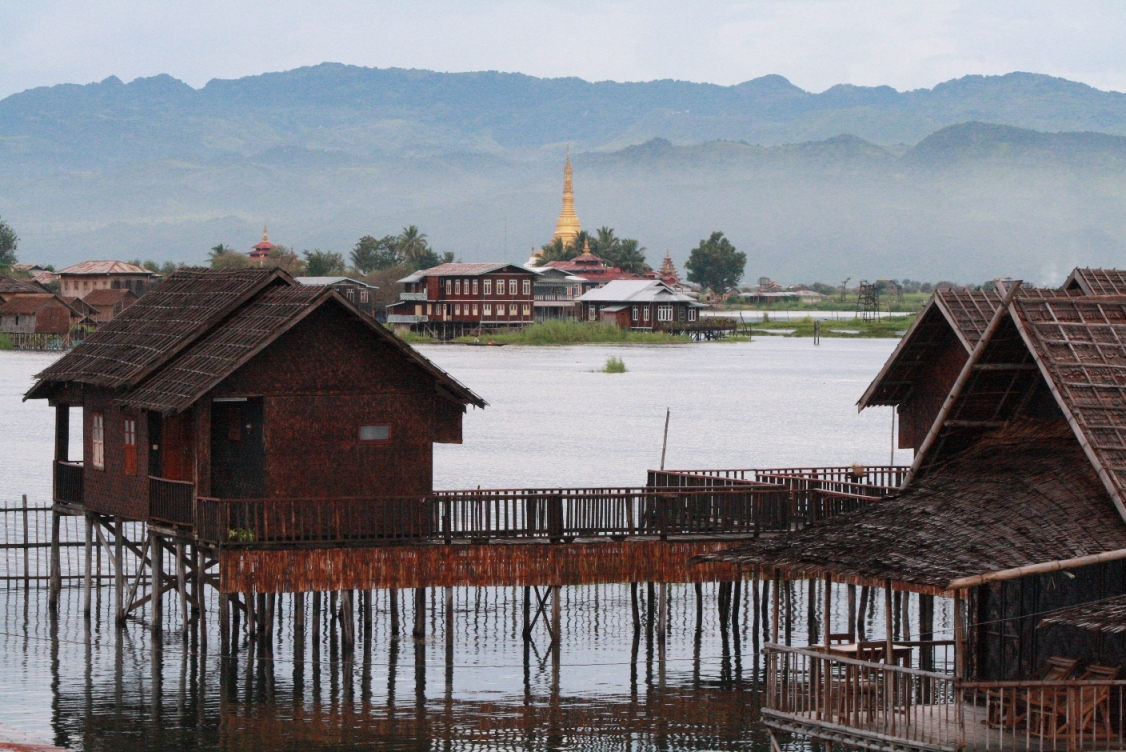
x=1022, y=495
x=1101, y=616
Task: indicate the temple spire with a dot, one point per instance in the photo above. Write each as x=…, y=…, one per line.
x=567, y=228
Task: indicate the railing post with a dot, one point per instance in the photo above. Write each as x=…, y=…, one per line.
x=447, y=522
x=555, y=517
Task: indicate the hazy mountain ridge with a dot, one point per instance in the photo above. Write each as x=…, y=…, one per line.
x=968, y=202
x=396, y=111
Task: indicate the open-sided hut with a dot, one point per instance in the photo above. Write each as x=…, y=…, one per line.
x=1013, y=508
x=246, y=385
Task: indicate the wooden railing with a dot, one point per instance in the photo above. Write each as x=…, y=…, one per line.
x=878, y=476
x=860, y=702
x=1044, y=715
x=481, y=515
x=868, y=703
x=69, y=482
x=171, y=501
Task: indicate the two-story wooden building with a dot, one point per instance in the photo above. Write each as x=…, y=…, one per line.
x=79, y=280
x=453, y=299
x=639, y=304
x=246, y=385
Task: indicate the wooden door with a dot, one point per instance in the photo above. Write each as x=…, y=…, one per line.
x=178, y=451
x=238, y=449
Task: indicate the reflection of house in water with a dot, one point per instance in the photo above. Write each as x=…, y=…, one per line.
x=1015, y=403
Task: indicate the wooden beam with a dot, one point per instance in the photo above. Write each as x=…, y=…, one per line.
x=1005, y=367
x=960, y=383
x=974, y=423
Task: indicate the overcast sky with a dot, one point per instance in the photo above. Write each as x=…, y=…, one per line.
x=814, y=43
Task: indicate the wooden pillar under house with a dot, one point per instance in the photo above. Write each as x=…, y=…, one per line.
x=635, y=607
x=827, y=611
x=56, y=581
x=527, y=631
x=851, y=613
x=182, y=589
x=88, y=575
x=224, y=622
x=862, y=613
x=368, y=621
x=156, y=596
x=699, y=588
x=419, y=630
x=662, y=614
x=394, y=597
x=119, y=571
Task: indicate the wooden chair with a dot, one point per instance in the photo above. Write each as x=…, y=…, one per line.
x=1010, y=708
x=1076, y=711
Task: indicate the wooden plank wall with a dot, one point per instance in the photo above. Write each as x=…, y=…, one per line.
x=469, y=565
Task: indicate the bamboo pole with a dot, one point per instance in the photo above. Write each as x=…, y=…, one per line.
x=56, y=584
x=89, y=568
x=182, y=588
x=119, y=570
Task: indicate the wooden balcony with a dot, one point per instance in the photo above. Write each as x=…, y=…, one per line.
x=69, y=477
x=881, y=706
x=171, y=501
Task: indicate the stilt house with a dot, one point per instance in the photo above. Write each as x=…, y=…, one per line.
x=246, y=385
x=1013, y=509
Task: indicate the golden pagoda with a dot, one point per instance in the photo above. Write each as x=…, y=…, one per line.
x=567, y=228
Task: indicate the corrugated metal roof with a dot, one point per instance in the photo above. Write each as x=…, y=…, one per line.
x=333, y=281
x=461, y=270
x=637, y=291
x=105, y=296
x=10, y=286
x=106, y=267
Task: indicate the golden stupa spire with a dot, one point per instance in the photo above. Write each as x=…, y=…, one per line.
x=567, y=228
x=265, y=234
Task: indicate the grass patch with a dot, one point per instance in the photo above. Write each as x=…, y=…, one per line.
x=416, y=339
x=578, y=333
x=5, y=341
x=614, y=365
x=890, y=327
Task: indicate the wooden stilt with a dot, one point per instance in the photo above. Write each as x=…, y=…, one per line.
x=119, y=571
x=827, y=609
x=368, y=622
x=636, y=609
x=232, y=600
x=775, y=615
x=926, y=631
x=156, y=555
x=251, y=616
x=556, y=622
x=862, y=613
x=347, y=621
x=200, y=596
x=527, y=631
x=736, y=597
x=316, y=625
x=662, y=614
x=299, y=616
x=699, y=588
x=224, y=623
x=419, y=630
x=394, y=595
x=88, y=580
x=56, y=585
x=852, y=613
x=905, y=616
x=182, y=588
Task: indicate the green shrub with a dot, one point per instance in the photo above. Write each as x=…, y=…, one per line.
x=614, y=365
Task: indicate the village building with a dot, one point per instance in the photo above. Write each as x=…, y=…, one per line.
x=79, y=280
x=83, y=308
x=38, y=313
x=361, y=294
x=10, y=287
x=639, y=304
x=556, y=293
x=1013, y=509
x=246, y=385
x=108, y=303
x=453, y=299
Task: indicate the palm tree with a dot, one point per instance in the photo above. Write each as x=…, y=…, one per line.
x=412, y=245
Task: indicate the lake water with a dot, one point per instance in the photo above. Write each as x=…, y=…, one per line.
x=552, y=420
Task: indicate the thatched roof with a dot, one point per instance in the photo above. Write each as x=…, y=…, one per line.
x=1101, y=616
x=1022, y=495
x=156, y=327
x=1096, y=281
x=225, y=348
x=177, y=342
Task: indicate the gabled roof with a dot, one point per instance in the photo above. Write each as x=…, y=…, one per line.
x=80, y=306
x=108, y=296
x=156, y=328
x=1023, y=495
x=10, y=286
x=334, y=281
x=21, y=305
x=106, y=267
x=637, y=291
x=1096, y=281
x=463, y=270
x=237, y=339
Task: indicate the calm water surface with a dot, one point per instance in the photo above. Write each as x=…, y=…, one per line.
x=551, y=420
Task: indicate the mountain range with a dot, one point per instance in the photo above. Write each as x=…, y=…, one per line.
x=1020, y=174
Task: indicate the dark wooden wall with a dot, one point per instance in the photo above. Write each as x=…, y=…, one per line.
x=110, y=490
x=933, y=383
x=320, y=382
x=1008, y=643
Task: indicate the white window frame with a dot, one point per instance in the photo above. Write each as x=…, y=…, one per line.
x=98, y=441
x=691, y=314
x=488, y=309
x=363, y=296
x=457, y=309
x=449, y=286
x=664, y=313
x=474, y=309
x=512, y=311
x=526, y=310
x=474, y=287
x=488, y=287
x=591, y=312
x=511, y=287
x=457, y=287
x=645, y=313
x=633, y=314
x=527, y=287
